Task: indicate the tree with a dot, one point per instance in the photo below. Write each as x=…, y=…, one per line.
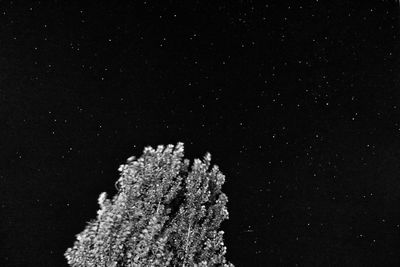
x=162, y=215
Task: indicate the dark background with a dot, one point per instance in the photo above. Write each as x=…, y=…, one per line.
x=298, y=103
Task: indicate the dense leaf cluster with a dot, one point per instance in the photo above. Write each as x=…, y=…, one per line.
x=163, y=215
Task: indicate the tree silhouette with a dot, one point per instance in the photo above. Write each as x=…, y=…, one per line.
x=162, y=215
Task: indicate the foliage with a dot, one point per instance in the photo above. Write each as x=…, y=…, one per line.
x=162, y=215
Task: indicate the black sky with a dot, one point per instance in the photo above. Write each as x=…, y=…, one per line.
x=298, y=103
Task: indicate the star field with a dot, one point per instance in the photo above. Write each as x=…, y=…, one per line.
x=298, y=105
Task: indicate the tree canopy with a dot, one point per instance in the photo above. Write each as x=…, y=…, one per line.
x=162, y=215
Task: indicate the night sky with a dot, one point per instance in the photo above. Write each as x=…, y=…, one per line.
x=298, y=105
